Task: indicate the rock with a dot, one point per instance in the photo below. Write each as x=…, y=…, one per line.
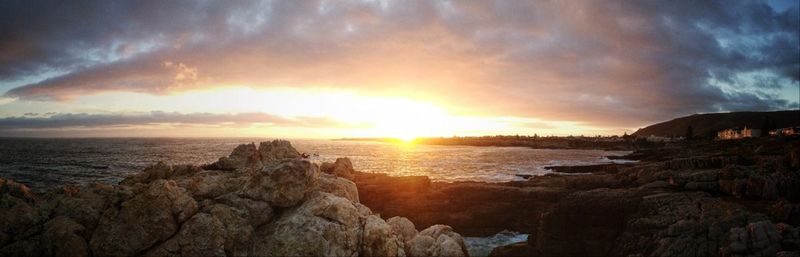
x=277, y=151
x=403, y=227
x=212, y=184
x=160, y=171
x=379, y=239
x=12, y=188
x=332, y=223
x=341, y=168
x=63, y=237
x=17, y=212
x=598, y=212
x=256, y=212
x=284, y=185
x=278, y=209
x=657, y=184
x=86, y=205
x=437, y=240
x=244, y=156
x=238, y=231
x=137, y=224
x=761, y=238
x=338, y=186
x=202, y=235
x=520, y=249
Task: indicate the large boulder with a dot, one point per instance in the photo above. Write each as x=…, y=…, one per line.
x=277, y=151
x=341, y=168
x=324, y=225
x=403, y=227
x=139, y=223
x=62, y=237
x=338, y=186
x=284, y=185
x=244, y=156
x=379, y=239
x=437, y=240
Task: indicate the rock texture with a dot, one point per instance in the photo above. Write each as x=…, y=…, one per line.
x=263, y=201
x=341, y=168
x=691, y=199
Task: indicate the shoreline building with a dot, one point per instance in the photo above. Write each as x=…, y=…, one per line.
x=736, y=133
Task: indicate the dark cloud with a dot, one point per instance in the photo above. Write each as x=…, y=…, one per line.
x=601, y=62
x=72, y=120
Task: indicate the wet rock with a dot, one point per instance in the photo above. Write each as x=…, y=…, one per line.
x=12, y=188
x=341, y=168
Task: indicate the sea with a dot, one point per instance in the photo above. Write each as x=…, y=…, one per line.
x=44, y=163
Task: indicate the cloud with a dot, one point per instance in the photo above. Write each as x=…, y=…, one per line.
x=600, y=62
x=72, y=120
x=5, y=100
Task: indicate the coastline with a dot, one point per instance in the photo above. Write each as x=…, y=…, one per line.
x=714, y=197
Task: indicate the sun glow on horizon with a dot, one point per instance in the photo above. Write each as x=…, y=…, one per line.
x=312, y=113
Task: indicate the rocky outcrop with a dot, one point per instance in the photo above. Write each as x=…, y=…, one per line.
x=341, y=168
x=437, y=240
x=258, y=202
x=247, y=156
x=724, y=199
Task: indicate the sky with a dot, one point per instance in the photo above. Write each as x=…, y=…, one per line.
x=381, y=68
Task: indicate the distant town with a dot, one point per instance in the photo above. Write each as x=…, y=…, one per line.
x=615, y=142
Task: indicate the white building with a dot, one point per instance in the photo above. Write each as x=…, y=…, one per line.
x=736, y=133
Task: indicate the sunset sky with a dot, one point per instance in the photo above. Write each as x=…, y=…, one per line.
x=330, y=69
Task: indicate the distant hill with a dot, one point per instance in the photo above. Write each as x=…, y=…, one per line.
x=707, y=125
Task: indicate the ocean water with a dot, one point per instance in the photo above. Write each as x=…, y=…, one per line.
x=483, y=246
x=45, y=163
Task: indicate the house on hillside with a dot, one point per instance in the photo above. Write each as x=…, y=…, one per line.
x=790, y=131
x=736, y=133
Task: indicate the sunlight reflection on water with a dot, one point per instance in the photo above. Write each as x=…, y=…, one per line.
x=43, y=163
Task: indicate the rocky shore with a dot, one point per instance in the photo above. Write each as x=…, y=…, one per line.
x=261, y=200
x=734, y=198
x=737, y=198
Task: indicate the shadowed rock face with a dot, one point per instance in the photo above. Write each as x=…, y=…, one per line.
x=256, y=202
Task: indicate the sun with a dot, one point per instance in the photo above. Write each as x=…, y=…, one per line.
x=407, y=139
